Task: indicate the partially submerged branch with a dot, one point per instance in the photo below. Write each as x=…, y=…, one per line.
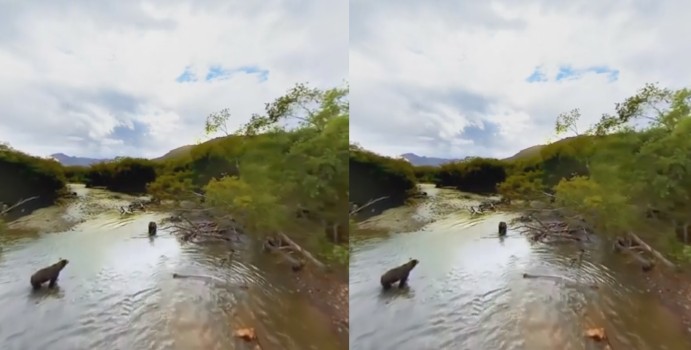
x=550, y=225
x=358, y=209
x=6, y=209
x=302, y=251
x=652, y=251
x=197, y=230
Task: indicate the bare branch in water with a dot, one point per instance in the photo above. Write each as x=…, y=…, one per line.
x=355, y=211
x=4, y=211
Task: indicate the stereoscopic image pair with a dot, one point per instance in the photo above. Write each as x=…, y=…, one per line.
x=516, y=175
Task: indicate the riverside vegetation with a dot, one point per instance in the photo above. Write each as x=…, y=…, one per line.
x=281, y=178
x=627, y=171
x=626, y=179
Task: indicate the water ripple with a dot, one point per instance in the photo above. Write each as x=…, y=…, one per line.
x=468, y=291
x=118, y=292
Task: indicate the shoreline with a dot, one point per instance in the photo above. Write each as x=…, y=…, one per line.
x=672, y=289
x=327, y=292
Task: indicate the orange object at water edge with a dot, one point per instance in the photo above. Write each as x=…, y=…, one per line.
x=598, y=334
x=247, y=334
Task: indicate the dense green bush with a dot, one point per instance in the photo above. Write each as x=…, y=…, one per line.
x=75, y=173
x=23, y=176
x=625, y=165
x=373, y=176
x=478, y=175
x=426, y=173
x=271, y=169
x=127, y=175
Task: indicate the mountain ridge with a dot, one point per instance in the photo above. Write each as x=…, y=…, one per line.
x=67, y=160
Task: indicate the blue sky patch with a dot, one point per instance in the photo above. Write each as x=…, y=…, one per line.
x=537, y=76
x=482, y=134
x=133, y=136
x=219, y=73
x=568, y=72
x=186, y=76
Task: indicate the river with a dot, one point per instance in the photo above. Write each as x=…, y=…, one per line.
x=117, y=292
x=468, y=291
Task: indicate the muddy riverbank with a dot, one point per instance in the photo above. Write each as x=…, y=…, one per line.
x=118, y=291
x=468, y=291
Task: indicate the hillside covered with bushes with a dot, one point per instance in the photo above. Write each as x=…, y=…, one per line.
x=631, y=170
x=290, y=161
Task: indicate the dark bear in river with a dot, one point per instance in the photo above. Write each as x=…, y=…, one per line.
x=398, y=274
x=49, y=273
x=152, y=228
x=502, y=228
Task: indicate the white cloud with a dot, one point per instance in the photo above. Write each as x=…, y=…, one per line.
x=422, y=71
x=77, y=75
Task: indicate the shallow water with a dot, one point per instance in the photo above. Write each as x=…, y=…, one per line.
x=117, y=292
x=468, y=291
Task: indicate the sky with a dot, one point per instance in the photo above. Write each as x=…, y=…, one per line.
x=138, y=78
x=452, y=78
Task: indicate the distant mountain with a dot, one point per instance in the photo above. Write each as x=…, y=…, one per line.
x=81, y=161
x=422, y=160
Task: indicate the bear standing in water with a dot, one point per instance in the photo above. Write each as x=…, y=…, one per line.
x=398, y=274
x=502, y=229
x=152, y=228
x=47, y=274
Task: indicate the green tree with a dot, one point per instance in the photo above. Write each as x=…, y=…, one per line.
x=286, y=167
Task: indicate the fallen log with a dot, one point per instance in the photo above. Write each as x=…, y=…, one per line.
x=564, y=236
x=299, y=249
x=199, y=277
x=358, y=209
x=295, y=264
x=652, y=251
x=646, y=264
x=555, y=278
x=6, y=209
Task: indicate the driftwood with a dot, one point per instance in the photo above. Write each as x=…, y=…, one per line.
x=555, y=278
x=358, y=209
x=541, y=229
x=135, y=205
x=274, y=247
x=622, y=246
x=199, y=277
x=486, y=206
x=6, y=209
x=299, y=249
x=652, y=251
x=190, y=231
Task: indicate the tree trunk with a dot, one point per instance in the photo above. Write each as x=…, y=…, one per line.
x=652, y=251
x=299, y=249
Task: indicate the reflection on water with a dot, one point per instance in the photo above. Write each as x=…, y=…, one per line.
x=118, y=292
x=468, y=291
